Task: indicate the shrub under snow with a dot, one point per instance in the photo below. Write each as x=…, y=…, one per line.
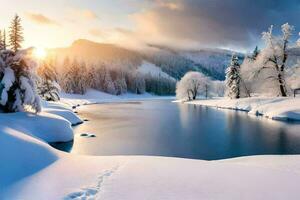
x=17, y=82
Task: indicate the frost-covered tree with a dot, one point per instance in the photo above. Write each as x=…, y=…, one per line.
x=16, y=34
x=271, y=67
x=17, y=82
x=191, y=85
x=233, y=79
x=109, y=85
x=75, y=78
x=218, y=88
x=136, y=83
x=1, y=41
x=48, y=88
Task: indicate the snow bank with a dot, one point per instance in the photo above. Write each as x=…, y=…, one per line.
x=134, y=178
x=46, y=126
x=279, y=108
x=21, y=156
x=94, y=96
x=62, y=110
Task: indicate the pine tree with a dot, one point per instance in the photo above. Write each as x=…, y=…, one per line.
x=1, y=41
x=255, y=53
x=17, y=82
x=233, y=78
x=48, y=87
x=16, y=34
x=4, y=40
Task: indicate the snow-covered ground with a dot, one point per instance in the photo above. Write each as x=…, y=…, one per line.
x=280, y=108
x=31, y=169
x=95, y=96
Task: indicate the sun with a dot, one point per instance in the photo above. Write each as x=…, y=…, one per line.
x=40, y=53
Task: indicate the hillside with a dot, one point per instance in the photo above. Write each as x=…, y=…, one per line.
x=211, y=62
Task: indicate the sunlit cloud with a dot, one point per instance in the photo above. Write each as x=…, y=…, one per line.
x=85, y=14
x=172, y=5
x=97, y=33
x=40, y=19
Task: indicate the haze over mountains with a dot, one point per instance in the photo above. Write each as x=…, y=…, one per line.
x=174, y=62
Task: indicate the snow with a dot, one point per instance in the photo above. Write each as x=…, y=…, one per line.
x=94, y=96
x=33, y=170
x=46, y=126
x=150, y=69
x=279, y=108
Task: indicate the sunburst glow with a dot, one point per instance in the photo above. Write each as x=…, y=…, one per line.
x=40, y=53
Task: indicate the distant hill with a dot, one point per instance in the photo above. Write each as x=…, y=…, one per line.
x=98, y=52
x=174, y=62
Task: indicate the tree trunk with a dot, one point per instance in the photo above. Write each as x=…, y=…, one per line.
x=282, y=86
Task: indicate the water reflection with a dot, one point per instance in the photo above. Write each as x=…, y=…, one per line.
x=162, y=128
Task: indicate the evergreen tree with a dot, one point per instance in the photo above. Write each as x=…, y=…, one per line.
x=255, y=53
x=1, y=41
x=233, y=78
x=4, y=39
x=48, y=87
x=17, y=82
x=16, y=34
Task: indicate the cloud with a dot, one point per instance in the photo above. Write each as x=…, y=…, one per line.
x=84, y=14
x=172, y=5
x=40, y=19
x=222, y=23
x=97, y=33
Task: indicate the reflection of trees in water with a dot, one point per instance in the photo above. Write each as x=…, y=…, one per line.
x=282, y=142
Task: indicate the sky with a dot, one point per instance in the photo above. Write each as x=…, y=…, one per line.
x=191, y=24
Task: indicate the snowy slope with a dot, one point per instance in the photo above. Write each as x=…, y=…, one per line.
x=148, y=68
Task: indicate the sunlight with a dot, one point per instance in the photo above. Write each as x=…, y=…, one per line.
x=40, y=53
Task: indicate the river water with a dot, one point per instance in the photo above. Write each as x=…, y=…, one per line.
x=163, y=128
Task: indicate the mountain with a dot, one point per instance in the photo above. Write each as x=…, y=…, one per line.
x=174, y=62
x=94, y=52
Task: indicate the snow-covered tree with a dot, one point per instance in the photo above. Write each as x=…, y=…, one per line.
x=48, y=88
x=271, y=67
x=1, y=41
x=17, y=82
x=136, y=83
x=191, y=85
x=109, y=84
x=218, y=88
x=233, y=79
x=16, y=34
x=74, y=78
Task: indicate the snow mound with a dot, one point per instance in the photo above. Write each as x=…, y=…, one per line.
x=46, y=126
x=21, y=155
x=63, y=111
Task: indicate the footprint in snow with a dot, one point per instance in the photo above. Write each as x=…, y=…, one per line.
x=90, y=193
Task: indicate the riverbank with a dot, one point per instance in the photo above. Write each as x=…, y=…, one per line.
x=31, y=169
x=279, y=108
x=94, y=97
